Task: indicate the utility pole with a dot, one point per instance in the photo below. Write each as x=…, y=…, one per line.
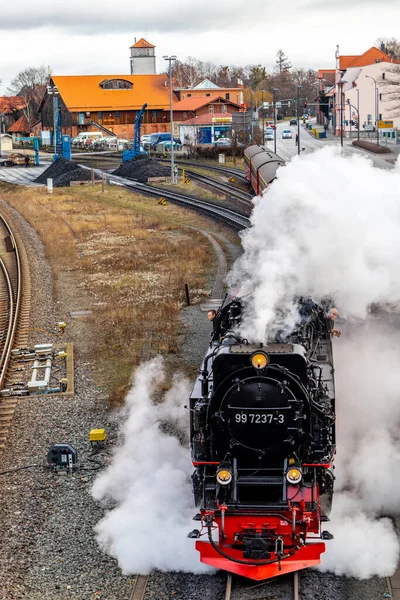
x=275, y=90
x=299, y=87
x=52, y=90
x=170, y=60
x=358, y=113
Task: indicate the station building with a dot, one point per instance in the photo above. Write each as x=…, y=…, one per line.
x=112, y=102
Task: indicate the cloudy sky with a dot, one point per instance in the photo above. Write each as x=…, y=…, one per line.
x=93, y=36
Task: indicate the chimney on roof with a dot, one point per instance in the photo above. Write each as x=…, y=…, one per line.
x=135, y=41
x=383, y=48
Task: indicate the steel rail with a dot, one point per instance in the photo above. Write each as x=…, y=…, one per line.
x=139, y=587
x=244, y=197
x=15, y=303
x=226, y=170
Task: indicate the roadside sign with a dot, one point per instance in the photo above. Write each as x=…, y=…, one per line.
x=368, y=127
x=385, y=124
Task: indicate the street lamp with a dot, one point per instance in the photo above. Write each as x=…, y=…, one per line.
x=263, y=112
x=275, y=90
x=170, y=60
x=376, y=108
x=341, y=84
x=358, y=113
x=299, y=87
x=52, y=90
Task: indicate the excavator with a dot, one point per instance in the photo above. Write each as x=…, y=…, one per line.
x=136, y=148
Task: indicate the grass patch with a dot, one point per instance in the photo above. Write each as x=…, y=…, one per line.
x=129, y=259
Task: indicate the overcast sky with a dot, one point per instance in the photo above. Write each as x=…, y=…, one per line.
x=93, y=36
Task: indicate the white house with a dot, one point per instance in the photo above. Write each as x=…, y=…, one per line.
x=365, y=91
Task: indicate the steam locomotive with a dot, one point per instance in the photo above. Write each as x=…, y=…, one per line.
x=262, y=434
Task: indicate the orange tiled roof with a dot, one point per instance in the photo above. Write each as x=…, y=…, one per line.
x=83, y=93
x=198, y=102
x=20, y=126
x=346, y=61
x=372, y=56
x=10, y=103
x=142, y=43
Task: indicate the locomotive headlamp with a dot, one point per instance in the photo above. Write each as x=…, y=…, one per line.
x=259, y=360
x=294, y=475
x=224, y=476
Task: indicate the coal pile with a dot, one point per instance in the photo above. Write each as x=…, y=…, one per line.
x=78, y=174
x=141, y=168
x=56, y=169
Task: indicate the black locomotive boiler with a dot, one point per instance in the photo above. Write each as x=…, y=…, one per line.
x=262, y=432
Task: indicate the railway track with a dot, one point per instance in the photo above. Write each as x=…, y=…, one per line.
x=243, y=197
x=226, y=170
x=14, y=315
x=230, y=588
x=229, y=217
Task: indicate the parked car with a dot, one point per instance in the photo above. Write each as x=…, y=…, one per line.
x=221, y=142
x=269, y=133
x=145, y=139
x=293, y=122
x=157, y=138
x=85, y=137
x=286, y=134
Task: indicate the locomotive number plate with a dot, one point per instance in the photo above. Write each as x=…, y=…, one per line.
x=262, y=418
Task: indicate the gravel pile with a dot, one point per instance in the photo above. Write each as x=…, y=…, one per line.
x=78, y=174
x=56, y=169
x=141, y=168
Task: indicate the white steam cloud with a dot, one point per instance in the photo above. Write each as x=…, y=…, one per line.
x=149, y=481
x=329, y=226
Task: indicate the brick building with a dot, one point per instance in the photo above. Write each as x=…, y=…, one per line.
x=111, y=101
x=11, y=108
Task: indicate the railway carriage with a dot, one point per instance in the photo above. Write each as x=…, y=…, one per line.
x=260, y=166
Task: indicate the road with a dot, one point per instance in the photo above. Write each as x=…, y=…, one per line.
x=287, y=149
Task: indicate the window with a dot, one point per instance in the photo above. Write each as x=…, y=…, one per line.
x=81, y=118
x=223, y=108
x=211, y=110
x=117, y=115
x=185, y=115
x=100, y=116
x=208, y=94
x=116, y=84
x=227, y=96
x=189, y=96
x=380, y=117
x=380, y=96
x=383, y=75
x=154, y=113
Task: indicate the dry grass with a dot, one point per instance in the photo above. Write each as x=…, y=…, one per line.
x=129, y=258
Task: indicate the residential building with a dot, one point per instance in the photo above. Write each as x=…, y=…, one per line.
x=209, y=89
x=11, y=108
x=204, y=120
x=351, y=77
x=20, y=128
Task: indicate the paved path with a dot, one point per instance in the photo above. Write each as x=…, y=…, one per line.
x=21, y=175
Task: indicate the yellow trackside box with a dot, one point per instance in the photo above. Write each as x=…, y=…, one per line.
x=97, y=435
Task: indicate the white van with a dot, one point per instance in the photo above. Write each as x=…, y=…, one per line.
x=85, y=137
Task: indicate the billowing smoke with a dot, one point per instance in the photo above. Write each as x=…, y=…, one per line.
x=329, y=226
x=148, y=481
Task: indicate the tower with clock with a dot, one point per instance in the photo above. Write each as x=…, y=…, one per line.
x=143, y=58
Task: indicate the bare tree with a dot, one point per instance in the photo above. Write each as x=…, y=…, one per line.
x=391, y=85
x=31, y=85
x=391, y=46
x=282, y=62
